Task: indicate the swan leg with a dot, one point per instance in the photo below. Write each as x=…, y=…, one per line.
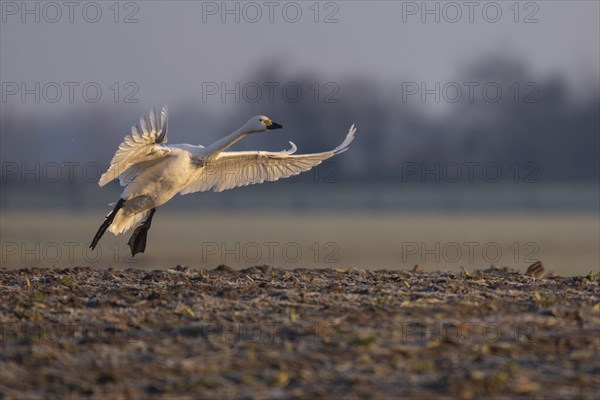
x=107, y=221
x=137, y=242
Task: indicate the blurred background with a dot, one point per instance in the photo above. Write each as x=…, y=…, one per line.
x=477, y=143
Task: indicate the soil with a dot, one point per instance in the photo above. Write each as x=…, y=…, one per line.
x=265, y=332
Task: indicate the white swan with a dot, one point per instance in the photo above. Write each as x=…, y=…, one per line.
x=153, y=172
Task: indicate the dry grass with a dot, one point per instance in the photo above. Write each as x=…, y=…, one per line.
x=567, y=243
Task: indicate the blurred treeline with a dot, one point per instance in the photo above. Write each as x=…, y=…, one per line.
x=559, y=132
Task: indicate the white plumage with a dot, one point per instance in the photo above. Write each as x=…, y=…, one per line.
x=153, y=172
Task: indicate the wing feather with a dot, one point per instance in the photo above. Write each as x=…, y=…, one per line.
x=243, y=168
x=143, y=147
x=164, y=125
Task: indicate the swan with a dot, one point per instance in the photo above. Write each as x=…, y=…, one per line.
x=153, y=172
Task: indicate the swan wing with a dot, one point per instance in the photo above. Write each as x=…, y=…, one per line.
x=144, y=146
x=243, y=168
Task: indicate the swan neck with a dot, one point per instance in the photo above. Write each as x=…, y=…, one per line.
x=226, y=142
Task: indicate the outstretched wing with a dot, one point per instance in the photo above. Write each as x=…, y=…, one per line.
x=243, y=168
x=144, y=146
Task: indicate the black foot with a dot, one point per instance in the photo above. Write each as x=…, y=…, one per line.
x=137, y=242
x=107, y=221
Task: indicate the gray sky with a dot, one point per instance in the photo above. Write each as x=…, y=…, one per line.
x=175, y=46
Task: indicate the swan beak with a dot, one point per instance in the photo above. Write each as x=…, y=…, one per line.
x=274, y=125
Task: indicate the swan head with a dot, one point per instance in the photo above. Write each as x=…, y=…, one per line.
x=260, y=123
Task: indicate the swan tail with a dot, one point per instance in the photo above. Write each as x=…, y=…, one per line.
x=124, y=221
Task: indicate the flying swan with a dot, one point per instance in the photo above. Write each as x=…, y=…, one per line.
x=153, y=172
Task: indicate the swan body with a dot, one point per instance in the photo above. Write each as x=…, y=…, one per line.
x=153, y=172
